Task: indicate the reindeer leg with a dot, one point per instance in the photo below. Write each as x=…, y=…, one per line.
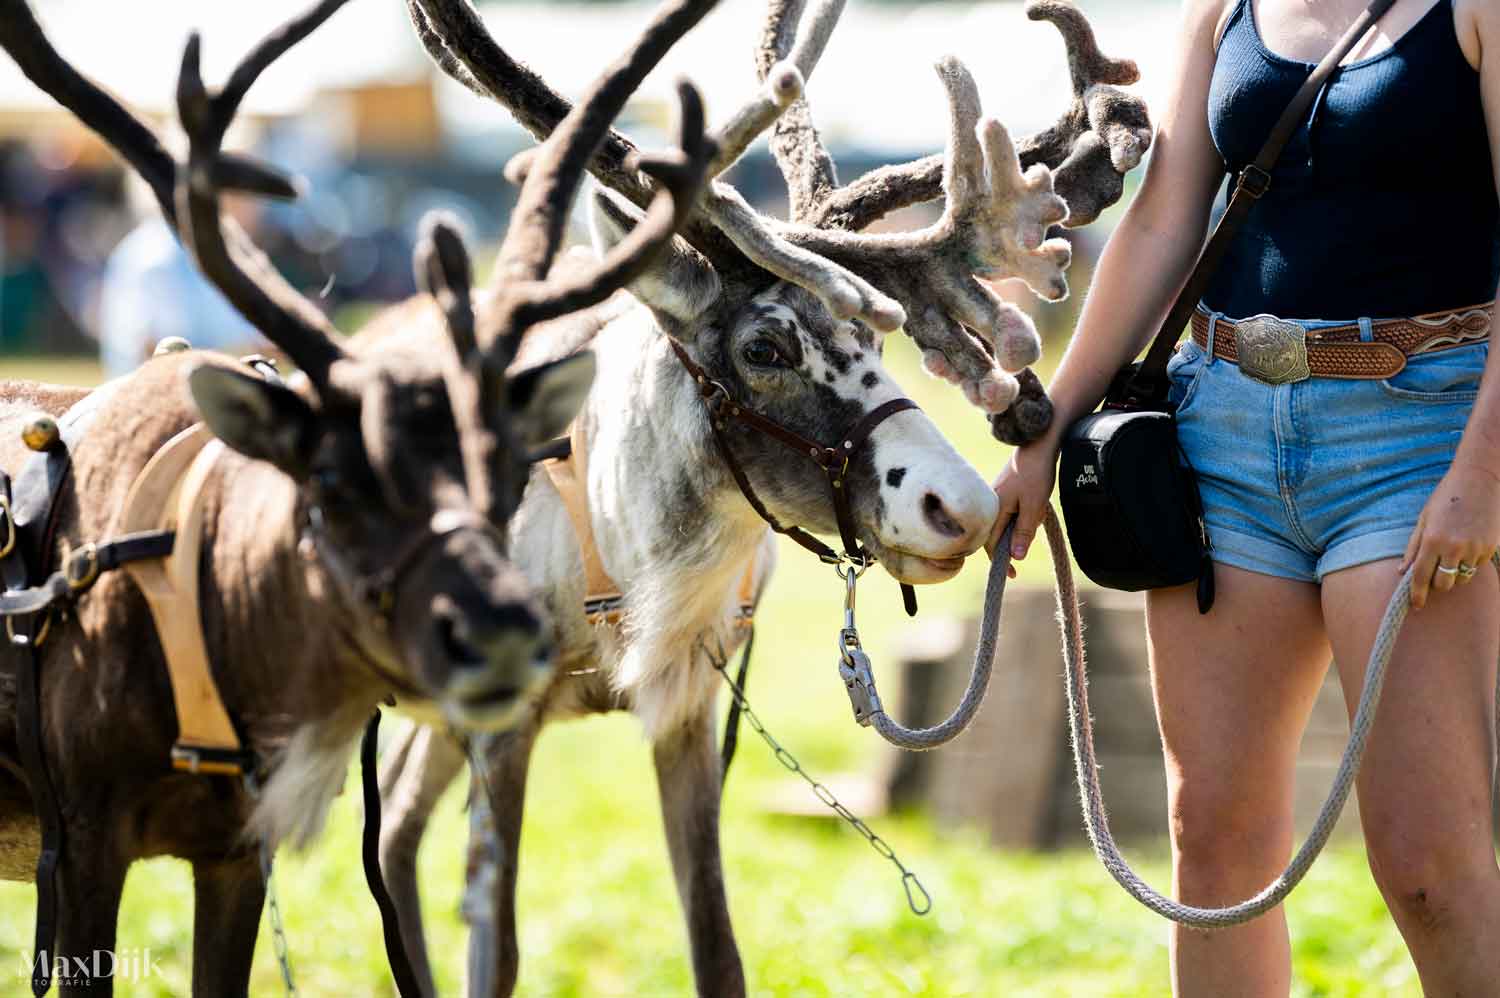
x=687, y=777
x=507, y=759
x=227, y=897
x=422, y=765
x=90, y=879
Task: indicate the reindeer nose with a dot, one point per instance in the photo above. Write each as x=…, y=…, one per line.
x=502, y=644
x=938, y=517
x=962, y=516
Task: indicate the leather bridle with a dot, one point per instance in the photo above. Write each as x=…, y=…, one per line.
x=723, y=406
x=376, y=591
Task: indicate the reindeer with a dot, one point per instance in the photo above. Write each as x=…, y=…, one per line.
x=786, y=320
x=353, y=546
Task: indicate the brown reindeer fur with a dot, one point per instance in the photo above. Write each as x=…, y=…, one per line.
x=108, y=721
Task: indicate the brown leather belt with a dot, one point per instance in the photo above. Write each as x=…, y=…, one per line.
x=1278, y=351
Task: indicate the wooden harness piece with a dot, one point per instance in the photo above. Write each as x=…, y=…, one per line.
x=168, y=495
x=603, y=602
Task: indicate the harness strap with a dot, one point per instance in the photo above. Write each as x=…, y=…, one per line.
x=82, y=568
x=602, y=601
x=168, y=494
x=31, y=517
x=390, y=922
x=833, y=460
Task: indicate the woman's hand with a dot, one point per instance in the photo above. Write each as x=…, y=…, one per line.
x=1024, y=488
x=1459, y=529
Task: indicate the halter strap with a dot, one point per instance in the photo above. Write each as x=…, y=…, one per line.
x=834, y=461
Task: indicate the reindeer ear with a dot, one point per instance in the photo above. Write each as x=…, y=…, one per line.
x=679, y=286
x=544, y=399
x=255, y=417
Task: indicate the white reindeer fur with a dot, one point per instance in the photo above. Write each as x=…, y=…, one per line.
x=681, y=592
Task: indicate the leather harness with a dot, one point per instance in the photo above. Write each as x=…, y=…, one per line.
x=722, y=407
x=159, y=546
x=567, y=467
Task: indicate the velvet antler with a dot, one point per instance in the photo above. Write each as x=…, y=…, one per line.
x=550, y=176
x=993, y=225
x=1100, y=119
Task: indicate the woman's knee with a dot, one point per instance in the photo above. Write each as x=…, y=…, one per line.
x=1426, y=864
x=1226, y=834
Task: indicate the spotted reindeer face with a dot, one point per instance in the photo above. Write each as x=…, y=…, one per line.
x=919, y=507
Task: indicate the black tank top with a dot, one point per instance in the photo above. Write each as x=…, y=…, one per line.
x=1383, y=204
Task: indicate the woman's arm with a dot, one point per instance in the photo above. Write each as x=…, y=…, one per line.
x=1461, y=521
x=1143, y=267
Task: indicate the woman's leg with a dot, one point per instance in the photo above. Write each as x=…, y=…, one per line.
x=1233, y=692
x=1424, y=789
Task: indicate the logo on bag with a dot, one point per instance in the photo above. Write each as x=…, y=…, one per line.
x=1088, y=476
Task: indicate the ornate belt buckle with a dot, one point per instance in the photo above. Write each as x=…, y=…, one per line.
x=1272, y=350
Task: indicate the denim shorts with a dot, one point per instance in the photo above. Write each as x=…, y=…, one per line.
x=1303, y=479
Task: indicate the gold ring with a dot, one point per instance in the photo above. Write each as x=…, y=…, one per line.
x=1465, y=570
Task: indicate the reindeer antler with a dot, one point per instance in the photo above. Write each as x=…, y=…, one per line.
x=242, y=272
x=993, y=225
x=224, y=251
x=550, y=175
x=1100, y=117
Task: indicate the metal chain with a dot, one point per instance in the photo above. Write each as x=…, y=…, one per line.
x=917, y=897
x=278, y=931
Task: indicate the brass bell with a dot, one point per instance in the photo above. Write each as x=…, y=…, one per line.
x=172, y=344
x=40, y=432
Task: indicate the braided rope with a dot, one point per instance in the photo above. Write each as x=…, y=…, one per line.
x=1081, y=727
x=1087, y=766
x=922, y=739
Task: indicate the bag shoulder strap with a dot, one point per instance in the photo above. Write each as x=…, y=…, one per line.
x=1253, y=182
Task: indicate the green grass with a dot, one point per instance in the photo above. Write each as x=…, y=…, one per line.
x=816, y=912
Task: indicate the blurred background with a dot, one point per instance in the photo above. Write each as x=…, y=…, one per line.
x=90, y=280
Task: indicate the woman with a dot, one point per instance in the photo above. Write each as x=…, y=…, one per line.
x=1320, y=493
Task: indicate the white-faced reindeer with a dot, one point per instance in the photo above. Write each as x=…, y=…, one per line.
x=353, y=545
x=745, y=313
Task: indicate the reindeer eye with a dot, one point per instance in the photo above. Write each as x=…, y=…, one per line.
x=762, y=352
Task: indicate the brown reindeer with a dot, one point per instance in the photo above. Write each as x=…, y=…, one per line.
x=787, y=320
x=353, y=543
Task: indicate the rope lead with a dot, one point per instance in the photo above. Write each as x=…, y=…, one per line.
x=1087, y=766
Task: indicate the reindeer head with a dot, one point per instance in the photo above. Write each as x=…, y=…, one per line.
x=406, y=540
x=789, y=317
x=408, y=452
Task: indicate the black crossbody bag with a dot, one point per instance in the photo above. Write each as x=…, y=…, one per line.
x=1129, y=498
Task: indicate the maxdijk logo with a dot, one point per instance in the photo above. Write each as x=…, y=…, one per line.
x=80, y=971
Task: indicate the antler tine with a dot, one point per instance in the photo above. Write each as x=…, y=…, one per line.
x=1100, y=137
x=993, y=225
x=225, y=254
x=782, y=86
x=1086, y=63
x=805, y=162
x=540, y=218
x=680, y=175
x=457, y=40
x=1104, y=132
x=443, y=270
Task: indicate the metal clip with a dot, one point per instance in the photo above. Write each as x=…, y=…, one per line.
x=82, y=567
x=859, y=682
x=850, y=578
